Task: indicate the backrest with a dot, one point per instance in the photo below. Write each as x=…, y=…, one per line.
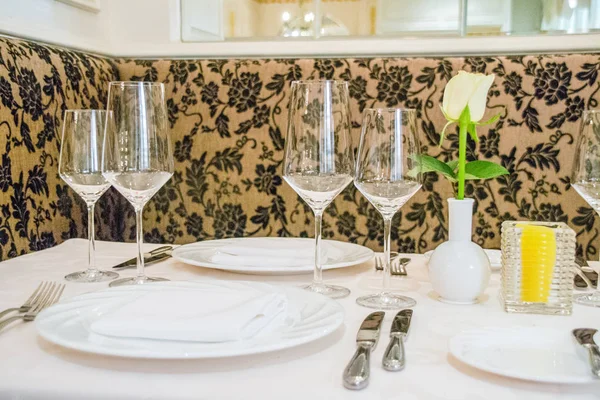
x=37, y=83
x=228, y=124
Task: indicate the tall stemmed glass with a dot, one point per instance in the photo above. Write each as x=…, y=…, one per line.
x=80, y=167
x=137, y=156
x=586, y=178
x=387, y=174
x=319, y=162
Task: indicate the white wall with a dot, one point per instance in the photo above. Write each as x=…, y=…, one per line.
x=120, y=25
x=142, y=21
x=151, y=28
x=54, y=22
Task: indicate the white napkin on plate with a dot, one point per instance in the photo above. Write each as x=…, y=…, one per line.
x=293, y=253
x=213, y=315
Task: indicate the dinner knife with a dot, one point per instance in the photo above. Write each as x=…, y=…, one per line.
x=585, y=337
x=394, y=358
x=148, y=259
x=356, y=374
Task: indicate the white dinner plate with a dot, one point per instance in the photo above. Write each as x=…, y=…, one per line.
x=200, y=254
x=538, y=354
x=310, y=316
x=495, y=257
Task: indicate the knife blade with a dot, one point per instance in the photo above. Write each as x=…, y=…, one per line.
x=585, y=337
x=394, y=358
x=357, y=372
x=150, y=257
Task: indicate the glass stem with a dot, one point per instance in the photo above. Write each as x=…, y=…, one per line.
x=318, y=274
x=91, y=242
x=387, y=237
x=140, y=239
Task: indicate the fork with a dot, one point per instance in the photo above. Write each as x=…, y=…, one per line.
x=30, y=302
x=378, y=264
x=50, y=297
x=396, y=267
x=399, y=267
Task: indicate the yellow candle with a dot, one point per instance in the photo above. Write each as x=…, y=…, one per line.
x=538, y=256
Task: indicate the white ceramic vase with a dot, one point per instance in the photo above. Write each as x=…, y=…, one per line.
x=459, y=270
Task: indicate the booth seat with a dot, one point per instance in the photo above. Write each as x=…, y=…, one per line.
x=228, y=120
x=37, y=83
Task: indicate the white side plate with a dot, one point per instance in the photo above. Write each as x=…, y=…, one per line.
x=200, y=254
x=311, y=317
x=537, y=354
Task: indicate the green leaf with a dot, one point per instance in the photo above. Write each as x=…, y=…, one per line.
x=452, y=164
x=432, y=164
x=473, y=132
x=483, y=170
x=491, y=120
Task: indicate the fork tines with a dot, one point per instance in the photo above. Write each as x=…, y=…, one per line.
x=51, y=296
x=396, y=267
x=38, y=296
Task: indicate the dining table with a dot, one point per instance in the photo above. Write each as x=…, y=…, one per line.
x=33, y=368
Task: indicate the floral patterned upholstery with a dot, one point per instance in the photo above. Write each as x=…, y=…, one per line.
x=37, y=83
x=228, y=122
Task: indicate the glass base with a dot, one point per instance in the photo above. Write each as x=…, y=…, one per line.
x=92, y=276
x=588, y=299
x=386, y=301
x=137, y=280
x=332, y=291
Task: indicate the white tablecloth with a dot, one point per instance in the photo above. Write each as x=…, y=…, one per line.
x=31, y=368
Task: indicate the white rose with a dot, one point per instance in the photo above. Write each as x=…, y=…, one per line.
x=467, y=89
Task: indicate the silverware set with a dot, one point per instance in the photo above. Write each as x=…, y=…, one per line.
x=397, y=266
x=153, y=256
x=357, y=372
x=46, y=294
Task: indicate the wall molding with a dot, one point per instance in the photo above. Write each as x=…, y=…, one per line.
x=368, y=47
x=363, y=47
x=156, y=33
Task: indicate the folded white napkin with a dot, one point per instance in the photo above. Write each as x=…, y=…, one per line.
x=212, y=315
x=293, y=253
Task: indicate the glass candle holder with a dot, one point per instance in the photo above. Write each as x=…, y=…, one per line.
x=537, y=267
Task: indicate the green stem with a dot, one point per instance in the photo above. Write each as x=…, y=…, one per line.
x=463, y=123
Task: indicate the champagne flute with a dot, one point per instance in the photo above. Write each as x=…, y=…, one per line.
x=137, y=157
x=388, y=175
x=80, y=167
x=586, y=178
x=319, y=161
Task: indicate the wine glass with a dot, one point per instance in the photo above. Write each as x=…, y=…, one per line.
x=586, y=178
x=318, y=161
x=137, y=157
x=80, y=167
x=388, y=175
